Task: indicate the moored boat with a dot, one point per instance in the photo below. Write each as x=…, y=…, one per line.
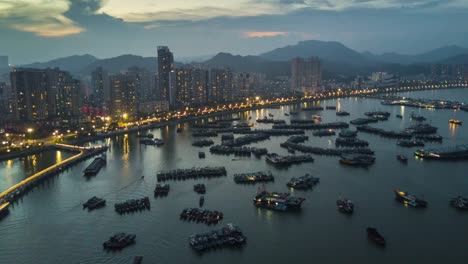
x=455, y=121
x=402, y=158
x=459, y=202
x=409, y=200
x=345, y=206
x=375, y=236
x=4, y=209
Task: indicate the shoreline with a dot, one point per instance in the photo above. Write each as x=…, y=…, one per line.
x=231, y=111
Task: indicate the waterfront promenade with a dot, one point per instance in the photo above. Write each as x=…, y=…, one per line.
x=18, y=189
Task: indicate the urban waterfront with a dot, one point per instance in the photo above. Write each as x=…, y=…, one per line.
x=49, y=226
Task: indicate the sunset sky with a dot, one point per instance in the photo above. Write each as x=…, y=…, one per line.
x=37, y=30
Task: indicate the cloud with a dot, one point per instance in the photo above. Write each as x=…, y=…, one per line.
x=42, y=17
x=264, y=34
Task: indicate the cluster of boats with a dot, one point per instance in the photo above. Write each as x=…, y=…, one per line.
x=229, y=235
x=152, y=142
x=345, y=206
x=267, y=120
x=119, y=241
x=357, y=160
x=350, y=142
x=238, y=151
x=277, y=201
x=193, y=173
x=161, y=190
x=261, y=176
x=201, y=216
x=204, y=142
x=276, y=159
x=303, y=182
x=324, y=133
x=410, y=143
x=132, y=205
x=94, y=203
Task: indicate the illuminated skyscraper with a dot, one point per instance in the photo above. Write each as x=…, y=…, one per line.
x=165, y=67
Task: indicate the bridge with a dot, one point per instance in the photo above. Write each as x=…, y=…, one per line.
x=83, y=153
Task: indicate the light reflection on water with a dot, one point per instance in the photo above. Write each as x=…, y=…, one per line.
x=49, y=225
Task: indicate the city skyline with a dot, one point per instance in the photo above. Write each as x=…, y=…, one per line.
x=63, y=28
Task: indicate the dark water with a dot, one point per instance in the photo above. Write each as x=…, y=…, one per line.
x=49, y=226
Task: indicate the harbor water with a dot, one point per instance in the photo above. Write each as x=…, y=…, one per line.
x=48, y=225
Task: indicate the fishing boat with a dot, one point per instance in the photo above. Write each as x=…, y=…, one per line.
x=201, y=201
x=455, y=121
x=375, y=236
x=402, y=158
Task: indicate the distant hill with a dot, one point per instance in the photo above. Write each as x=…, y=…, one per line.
x=331, y=51
x=337, y=59
x=458, y=59
x=72, y=63
x=250, y=64
x=121, y=63
x=432, y=56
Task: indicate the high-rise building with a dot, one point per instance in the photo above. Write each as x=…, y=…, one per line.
x=144, y=82
x=221, y=85
x=124, y=98
x=5, y=99
x=100, y=87
x=165, y=67
x=248, y=83
x=45, y=95
x=3, y=62
x=191, y=86
x=306, y=75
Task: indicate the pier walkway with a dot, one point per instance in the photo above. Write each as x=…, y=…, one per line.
x=20, y=188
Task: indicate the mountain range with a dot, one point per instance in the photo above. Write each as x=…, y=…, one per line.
x=336, y=59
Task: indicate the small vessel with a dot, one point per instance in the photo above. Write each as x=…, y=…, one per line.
x=455, y=121
x=345, y=206
x=293, y=113
x=179, y=129
x=324, y=133
x=201, y=201
x=94, y=203
x=286, y=114
x=270, y=115
x=158, y=142
x=317, y=117
x=342, y=113
x=399, y=116
x=201, y=155
x=375, y=236
x=409, y=199
x=4, y=209
x=119, y=241
x=417, y=117
x=146, y=136
x=357, y=160
x=402, y=158
x=250, y=117
x=330, y=107
x=138, y=260
x=459, y=202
